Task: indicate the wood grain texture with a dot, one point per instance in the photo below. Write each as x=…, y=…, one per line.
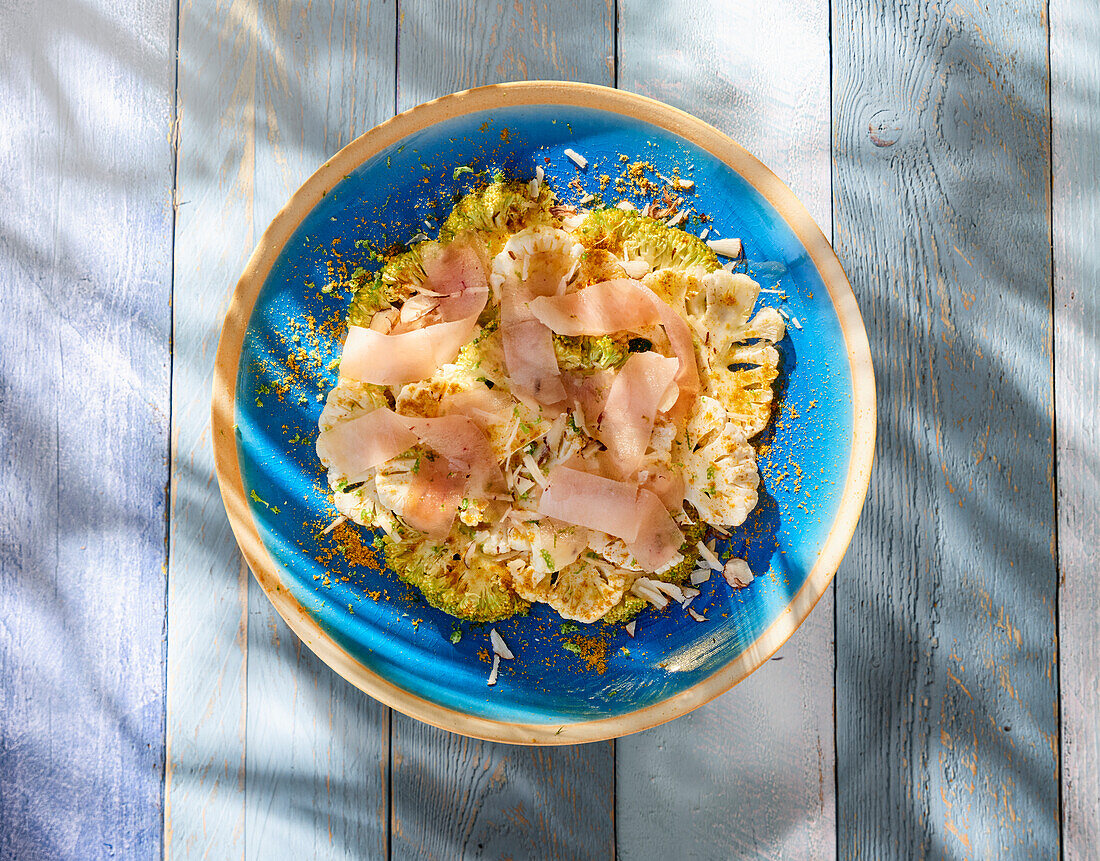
x=316, y=769
x=208, y=581
x=1075, y=115
x=750, y=775
x=85, y=279
x=444, y=47
x=946, y=694
x=454, y=797
x=269, y=751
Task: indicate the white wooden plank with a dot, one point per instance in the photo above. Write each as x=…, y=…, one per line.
x=207, y=582
x=1075, y=106
x=455, y=797
x=85, y=257
x=752, y=773
x=317, y=755
x=271, y=754
x=947, y=725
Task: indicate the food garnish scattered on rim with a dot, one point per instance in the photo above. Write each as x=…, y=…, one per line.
x=553, y=404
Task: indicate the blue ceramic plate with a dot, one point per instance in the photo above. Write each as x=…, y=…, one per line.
x=274, y=366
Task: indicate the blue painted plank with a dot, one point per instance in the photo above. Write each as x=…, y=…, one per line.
x=947, y=728
x=750, y=774
x=454, y=797
x=1075, y=107
x=85, y=279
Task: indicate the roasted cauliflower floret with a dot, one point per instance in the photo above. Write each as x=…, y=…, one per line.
x=428, y=398
x=719, y=466
x=347, y=399
x=360, y=504
x=583, y=591
x=746, y=394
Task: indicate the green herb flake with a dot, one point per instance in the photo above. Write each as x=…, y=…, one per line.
x=571, y=647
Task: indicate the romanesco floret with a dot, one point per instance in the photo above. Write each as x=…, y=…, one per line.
x=583, y=353
x=632, y=236
x=496, y=210
x=470, y=586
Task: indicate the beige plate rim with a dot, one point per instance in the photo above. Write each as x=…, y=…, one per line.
x=499, y=96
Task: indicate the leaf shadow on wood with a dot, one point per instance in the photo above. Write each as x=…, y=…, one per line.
x=270, y=748
x=456, y=797
x=946, y=653
x=84, y=248
x=262, y=107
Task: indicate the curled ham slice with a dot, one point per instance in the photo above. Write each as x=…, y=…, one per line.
x=659, y=538
x=639, y=390
x=590, y=500
x=467, y=460
x=532, y=364
x=458, y=271
x=602, y=309
x=393, y=360
x=528, y=346
x=617, y=508
x=467, y=464
x=623, y=304
x=433, y=499
x=589, y=392
x=355, y=447
x=668, y=485
x=462, y=442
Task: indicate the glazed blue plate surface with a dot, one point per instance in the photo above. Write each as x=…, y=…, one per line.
x=408, y=188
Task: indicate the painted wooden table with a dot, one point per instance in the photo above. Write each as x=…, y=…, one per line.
x=942, y=702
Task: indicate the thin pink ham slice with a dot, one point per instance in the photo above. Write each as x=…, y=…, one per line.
x=589, y=392
x=458, y=270
x=355, y=447
x=528, y=346
x=602, y=309
x=617, y=508
x=590, y=500
x=466, y=460
x=463, y=443
x=434, y=496
x=393, y=360
x=659, y=538
x=467, y=463
x=639, y=389
x=618, y=305
x=668, y=484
